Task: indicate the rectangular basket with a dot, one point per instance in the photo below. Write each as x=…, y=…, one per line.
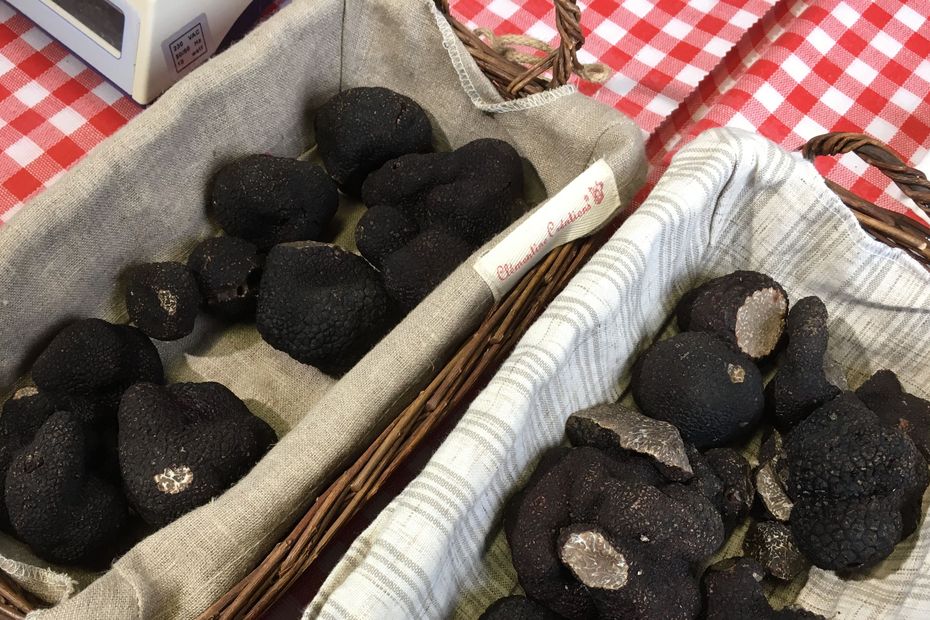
x=140, y=196
x=730, y=200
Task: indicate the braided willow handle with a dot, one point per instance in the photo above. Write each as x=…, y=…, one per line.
x=514, y=80
x=895, y=229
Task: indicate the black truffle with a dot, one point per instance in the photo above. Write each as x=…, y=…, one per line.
x=771, y=544
x=883, y=394
x=360, y=129
x=321, y=305
x=472, y=192
x=746, y=308
x=181, y=445
x=269, y=200
x=56, y=504
x=228, y=271
x=771, y=478
x=617, y=429
x=800, y=385
x=598, y=533
x=517, y=608
x=413, y=271
x=162, y=299
x=856, y=485
x=733, y=591
x=711, y=393
x=88, y=364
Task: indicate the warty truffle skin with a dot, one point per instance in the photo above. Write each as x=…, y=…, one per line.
x=322, y=305
x=710, y=392
x=269, y=200
x=56, y=505
x=383, y=230
x=90, y=362
x=800, y=386
x=181, y=445
x=228, y=270
x=883, y=394
x=162, y=299
x=856, y=484
x=413, y=271
x=360, y=129
x=732, y=591
x=517, y=608
x=745, y=308
x=643, y=531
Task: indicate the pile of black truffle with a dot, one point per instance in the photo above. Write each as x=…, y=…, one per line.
x=100, y=450
x=319, y=303
x=624, y=523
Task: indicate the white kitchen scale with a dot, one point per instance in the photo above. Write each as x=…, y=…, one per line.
x=143, y=46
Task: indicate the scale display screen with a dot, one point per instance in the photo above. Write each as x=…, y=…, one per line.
x=98, y=16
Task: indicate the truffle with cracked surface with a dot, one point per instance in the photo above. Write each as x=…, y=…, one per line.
x=162, y=299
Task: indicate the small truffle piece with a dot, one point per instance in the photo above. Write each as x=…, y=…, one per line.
x=360, y=129
x=800, y=386
x=56, y=505
x=856, y=485
x=883, y=394
x=594, y=533
x=228, y=271
x=321, y=305
x=746, y=308
x=89, y=363
x=269, y=200
x=771, y=544
x=613, y=427
x=412, y=272
x=517, y=608
x=382, y=231
x=735, y=474
x=183, y=444
x=771, y=478
x=472, y=193
x=733, y=591
x=162, y=299
x=711, y=393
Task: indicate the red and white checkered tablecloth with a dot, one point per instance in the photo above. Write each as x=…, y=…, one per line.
x=789, y=69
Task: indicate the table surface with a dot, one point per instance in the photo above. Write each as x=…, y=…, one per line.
x=788, y=69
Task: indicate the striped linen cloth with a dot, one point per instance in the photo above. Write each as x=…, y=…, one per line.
x=729, y=200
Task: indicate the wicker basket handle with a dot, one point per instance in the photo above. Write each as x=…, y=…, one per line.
x=513, y=79
x=895, y=229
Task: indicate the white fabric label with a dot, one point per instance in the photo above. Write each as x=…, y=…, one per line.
x=580, y=208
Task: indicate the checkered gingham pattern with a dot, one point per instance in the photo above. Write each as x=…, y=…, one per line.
x=789, y=69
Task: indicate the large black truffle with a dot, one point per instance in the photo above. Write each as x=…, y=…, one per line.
x=228, y=271
x=472, y=192
x=593, y=533
x=269, y=200
x=162, y=299
x=360, y=129
x=181, y=445
x=712, y=393
x=56, y=504
x=801, y=385
x=883, y=394
x=857, y=485
x=746, y=308
x=733, y=591
x=321, y=305
x=382, y=231
x=88, y=364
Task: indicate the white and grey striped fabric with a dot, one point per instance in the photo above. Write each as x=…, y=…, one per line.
x=729, y=200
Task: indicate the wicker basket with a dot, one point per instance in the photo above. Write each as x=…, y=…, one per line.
x=483, y=352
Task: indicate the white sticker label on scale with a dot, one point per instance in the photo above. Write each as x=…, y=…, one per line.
x=580, y=208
